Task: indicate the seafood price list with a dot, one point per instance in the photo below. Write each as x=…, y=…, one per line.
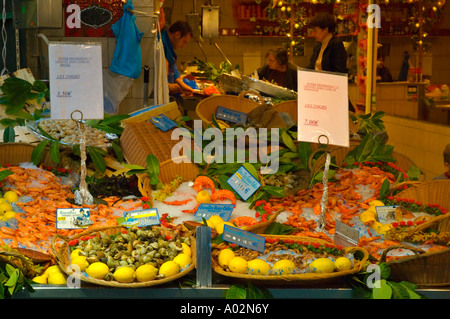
x=323, y=107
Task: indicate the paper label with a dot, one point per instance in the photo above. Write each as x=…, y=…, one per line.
x=323, y=108
x=163, y=122
x=229, y=115
x=207, y=210
x=244, y=183
x=243, y=238
x=76, y=80
x=73, y=218
x=141, y=218
x=386, y=214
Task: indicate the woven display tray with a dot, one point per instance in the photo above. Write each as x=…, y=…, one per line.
x=16, y=153
x=138, y=140
x=432, y=192
x=423, y=269
x=62, y=255
x=207, y=107
x=293, y=279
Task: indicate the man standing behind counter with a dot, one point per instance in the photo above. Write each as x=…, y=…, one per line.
x=173, y=38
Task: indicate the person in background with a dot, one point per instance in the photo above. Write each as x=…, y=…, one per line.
x=175, y=37
x=383, y=73
x=329, y=54
x=446, y=174
x=278, y=70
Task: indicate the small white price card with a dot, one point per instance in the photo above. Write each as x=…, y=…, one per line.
x=323, y=107
x=76, y=81
x=73, y=218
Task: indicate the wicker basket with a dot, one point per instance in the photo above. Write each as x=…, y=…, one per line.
x=16, y=153
x=290, y=107
x=293, y=279
x=423, y=269
x=207, y=107
x=432, y=192
x=62, y=256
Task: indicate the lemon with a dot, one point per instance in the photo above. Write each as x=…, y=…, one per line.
x=169, y=268
x=11, y=196
x=342, y=264
x=215, y=220
x=9, y=214
x=186, y=249
x=220, y=226
x=2, y=200
x=97, y=270
x=258, y=267
x=225, y=256
x=284, y=266
x=52, y=269
x=5, y=206
x=368, y=217
x=322, y=265
x=183, y=260
x=238, y=265
x=56, y=278
x=81, y=262
x=42, y=279
x=375, y=203
x=146, y=272
x=124, y=274
x=203, y=197
x=75, y=253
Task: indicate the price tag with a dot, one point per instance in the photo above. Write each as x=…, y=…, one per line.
x=73, y=218
x=233, y=116
x=141, y=218
x=323, y=107
x=244, y=183
x=386, y=214
x=207, y=210
x=163, y=122
x=243, y=238
x=76, y=80
x=345, y=235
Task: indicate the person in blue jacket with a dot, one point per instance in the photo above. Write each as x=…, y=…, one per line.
x=175, y=37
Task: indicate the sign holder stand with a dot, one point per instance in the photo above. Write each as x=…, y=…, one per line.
x=324, y=200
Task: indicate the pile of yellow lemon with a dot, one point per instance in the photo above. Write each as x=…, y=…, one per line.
x=52, y=276
x=6, y=210
x=369, y=218
x=236, y=264
x=217, y=223
x=125, y=274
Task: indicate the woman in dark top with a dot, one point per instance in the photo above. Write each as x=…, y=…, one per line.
x=278, y=70
x=329, y=54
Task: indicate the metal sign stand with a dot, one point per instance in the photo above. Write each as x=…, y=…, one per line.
x=82, y=195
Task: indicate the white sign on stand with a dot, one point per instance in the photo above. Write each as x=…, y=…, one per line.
x=76, y=82
x=323, y=107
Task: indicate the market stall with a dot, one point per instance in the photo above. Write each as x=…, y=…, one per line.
x=252, y=190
